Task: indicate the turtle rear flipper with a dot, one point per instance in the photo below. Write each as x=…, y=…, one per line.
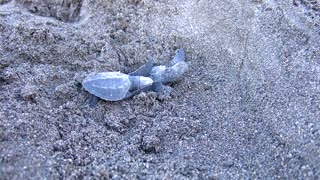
x=179, y=57
x=143, y=70
x=93, y=101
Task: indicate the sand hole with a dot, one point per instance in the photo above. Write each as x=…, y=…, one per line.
x=63, y=10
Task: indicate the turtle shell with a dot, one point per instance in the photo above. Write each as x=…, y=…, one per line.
x=110, y=86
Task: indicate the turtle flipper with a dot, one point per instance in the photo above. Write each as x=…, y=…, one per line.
x=143, y=70
x=93, y=101
x=162, y=90
x=179, y=57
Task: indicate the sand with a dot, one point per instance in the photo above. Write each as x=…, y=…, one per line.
x=249, y=107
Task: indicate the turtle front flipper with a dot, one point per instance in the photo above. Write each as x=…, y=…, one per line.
x=161, y=90
x=143, y=70
x=179, y=57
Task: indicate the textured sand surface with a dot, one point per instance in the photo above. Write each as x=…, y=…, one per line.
x=248, y=108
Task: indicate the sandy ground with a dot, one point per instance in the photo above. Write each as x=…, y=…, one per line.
x=248, y=108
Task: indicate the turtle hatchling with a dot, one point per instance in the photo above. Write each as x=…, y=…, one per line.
x=115, y=86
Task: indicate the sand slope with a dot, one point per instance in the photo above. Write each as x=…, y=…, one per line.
x=248, y=108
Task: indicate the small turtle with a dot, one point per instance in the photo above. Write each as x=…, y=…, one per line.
x=172, y=73
x=115, y=86
x=165, y=74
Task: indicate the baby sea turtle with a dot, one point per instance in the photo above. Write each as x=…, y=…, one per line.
x=115, y=86
x=172, y=73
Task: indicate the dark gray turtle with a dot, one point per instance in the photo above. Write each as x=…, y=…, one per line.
x=115, y=86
